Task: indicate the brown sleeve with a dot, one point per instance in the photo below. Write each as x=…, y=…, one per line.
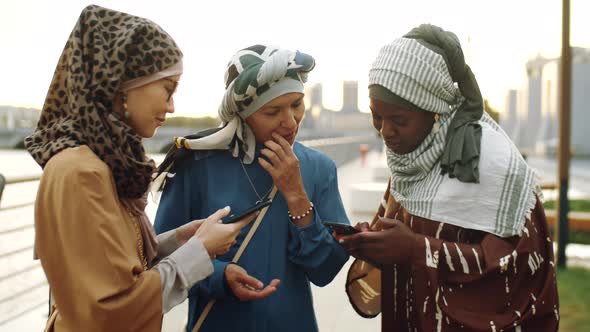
x=89, y=253
x=460, y=261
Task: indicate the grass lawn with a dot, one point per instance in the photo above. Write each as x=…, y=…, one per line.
x=574, y=283
x=574, y=299
x=579, y=205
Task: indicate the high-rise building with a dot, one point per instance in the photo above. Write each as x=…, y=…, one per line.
x=538, y=106
x=348, y=118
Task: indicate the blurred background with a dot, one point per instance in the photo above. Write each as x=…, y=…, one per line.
x=513, y=47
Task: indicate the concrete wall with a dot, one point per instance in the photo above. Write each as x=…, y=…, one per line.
x=532, y=121
x=581, y=110
x=546, y=139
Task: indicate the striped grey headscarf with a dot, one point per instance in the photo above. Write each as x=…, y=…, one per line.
x=500, y=192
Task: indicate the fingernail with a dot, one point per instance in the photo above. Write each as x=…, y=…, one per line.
x=227, y=208
x=341, y=241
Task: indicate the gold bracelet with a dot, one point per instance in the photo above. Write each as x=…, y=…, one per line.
x=294, y=218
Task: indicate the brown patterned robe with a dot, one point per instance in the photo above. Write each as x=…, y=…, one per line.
x=462, y=280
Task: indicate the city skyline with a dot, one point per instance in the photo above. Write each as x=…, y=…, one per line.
x=498, y=38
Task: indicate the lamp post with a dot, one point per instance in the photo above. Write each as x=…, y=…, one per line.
x=564, y=135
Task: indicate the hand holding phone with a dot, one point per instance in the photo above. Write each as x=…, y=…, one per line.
x=340, y=228
x=238, y=216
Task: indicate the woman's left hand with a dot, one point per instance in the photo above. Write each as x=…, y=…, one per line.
x=283, y=166
x=394, y=243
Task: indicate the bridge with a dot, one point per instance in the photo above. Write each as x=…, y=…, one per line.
x=13, y=138
x=163, y=139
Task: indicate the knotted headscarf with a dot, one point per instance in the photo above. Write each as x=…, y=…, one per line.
x=107, y=51
x=254, y=76
x=449, y=84
x=467, y=173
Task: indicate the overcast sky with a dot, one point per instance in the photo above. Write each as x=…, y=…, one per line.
x=344, y=37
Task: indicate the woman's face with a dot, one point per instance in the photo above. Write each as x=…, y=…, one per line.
x=281, y=115
x=148, y=105
x=402, y=129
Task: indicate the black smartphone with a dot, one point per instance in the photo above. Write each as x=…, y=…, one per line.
x=340, y=229
x=237, y=216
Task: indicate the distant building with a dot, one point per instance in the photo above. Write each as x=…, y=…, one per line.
x=509, y=119
x=531, y=116
x=18, y=117
x=535, y=128
x=349, y=118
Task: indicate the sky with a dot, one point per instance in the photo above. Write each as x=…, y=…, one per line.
x=498, y=37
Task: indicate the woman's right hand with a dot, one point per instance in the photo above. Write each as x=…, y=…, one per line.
x=389, y=242
x=217, y=237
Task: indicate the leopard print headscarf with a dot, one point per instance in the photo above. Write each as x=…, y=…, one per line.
x=105, y=49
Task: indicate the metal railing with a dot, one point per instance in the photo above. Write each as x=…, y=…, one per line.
x=14, y=275
x=2, y=184
x=15, y=180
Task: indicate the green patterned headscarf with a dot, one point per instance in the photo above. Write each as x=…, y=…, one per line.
x=254, y=72
x=254, y=76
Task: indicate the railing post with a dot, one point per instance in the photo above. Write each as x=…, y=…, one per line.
x=2, y=184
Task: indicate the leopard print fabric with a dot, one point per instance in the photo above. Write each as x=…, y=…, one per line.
x=105, y=48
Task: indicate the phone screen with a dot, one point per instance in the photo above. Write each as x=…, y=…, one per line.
x=238, y=216
x=341, y=229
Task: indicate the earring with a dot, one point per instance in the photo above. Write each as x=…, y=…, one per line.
x=436, y=126
x=126, y=113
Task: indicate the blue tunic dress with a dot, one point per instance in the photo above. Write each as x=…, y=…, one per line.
x=211, y=180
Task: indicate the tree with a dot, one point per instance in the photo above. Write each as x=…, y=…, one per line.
x=491, y=111
x=190, y=122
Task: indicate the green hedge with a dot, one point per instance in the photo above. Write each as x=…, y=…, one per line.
x=578, y=205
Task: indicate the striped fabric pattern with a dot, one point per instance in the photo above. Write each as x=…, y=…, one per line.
x=506, y=193
x=416, y=74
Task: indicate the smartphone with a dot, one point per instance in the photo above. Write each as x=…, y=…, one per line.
x=340, y=229
x=238, y=216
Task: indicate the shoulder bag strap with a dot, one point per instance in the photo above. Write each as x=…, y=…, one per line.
x=237, y=257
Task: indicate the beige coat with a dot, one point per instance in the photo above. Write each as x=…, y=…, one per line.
x=88, y=246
